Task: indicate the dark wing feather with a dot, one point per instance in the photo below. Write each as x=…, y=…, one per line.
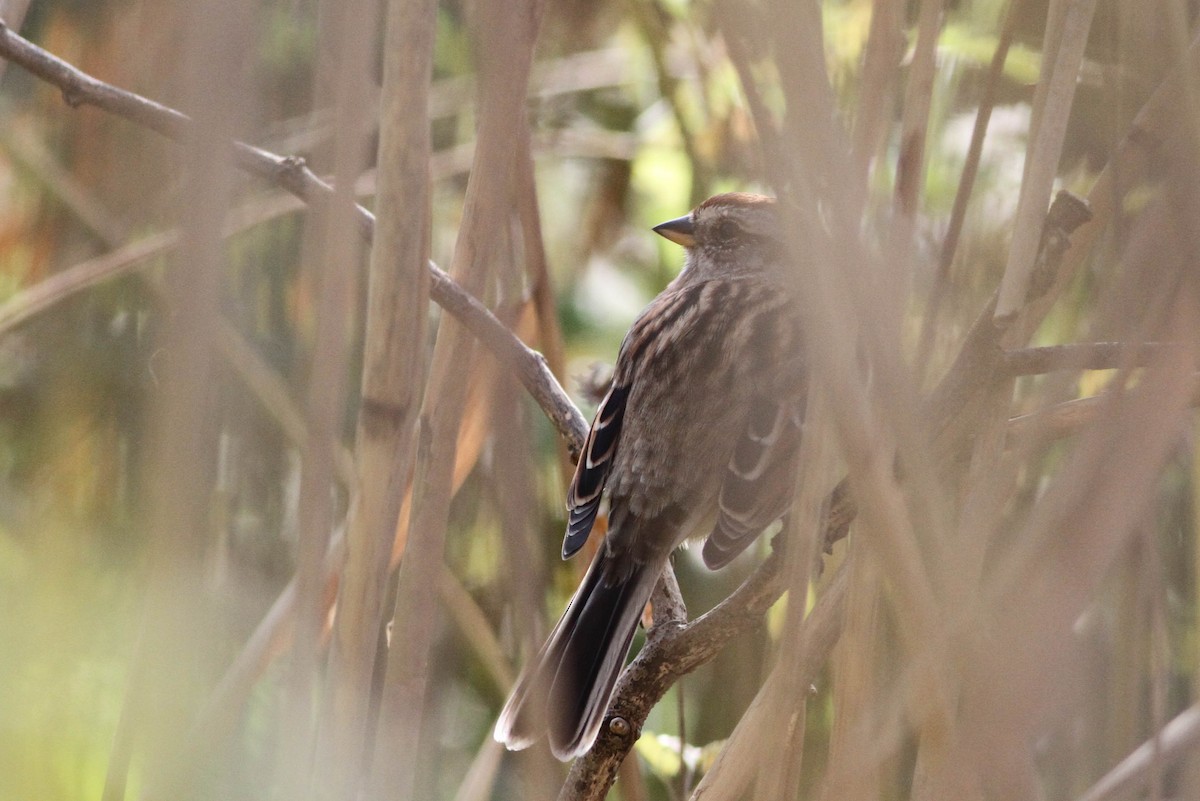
x=600, y=448
x=583, y=498
x=759, y=479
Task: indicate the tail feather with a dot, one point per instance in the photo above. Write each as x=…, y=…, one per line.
x=567, y=687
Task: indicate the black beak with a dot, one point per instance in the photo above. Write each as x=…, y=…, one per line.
x=681, y=231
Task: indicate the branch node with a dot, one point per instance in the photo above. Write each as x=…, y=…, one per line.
x=292, y=166
x=620, y=727
x=1067, y=213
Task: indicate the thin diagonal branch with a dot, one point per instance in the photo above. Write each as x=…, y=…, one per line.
x=1082, y=356
x=1068, y=417
x=530, y=366
x=292, y=175
x=1132, y=773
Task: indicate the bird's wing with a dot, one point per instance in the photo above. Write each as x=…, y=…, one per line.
x=760, y=478
x=651, y=332
x=583, y=498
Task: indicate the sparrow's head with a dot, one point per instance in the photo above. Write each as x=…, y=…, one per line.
x=731, y=234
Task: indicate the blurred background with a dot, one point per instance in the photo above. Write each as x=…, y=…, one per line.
x=636, y=113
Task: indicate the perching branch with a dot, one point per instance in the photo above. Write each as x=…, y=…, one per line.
x=673, y=649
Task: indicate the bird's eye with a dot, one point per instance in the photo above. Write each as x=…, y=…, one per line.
x=727, y=229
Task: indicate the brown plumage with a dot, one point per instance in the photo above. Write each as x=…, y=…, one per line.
x=701, y=424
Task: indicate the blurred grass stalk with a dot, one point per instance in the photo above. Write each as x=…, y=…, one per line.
x=183, y=438
x=332, y=255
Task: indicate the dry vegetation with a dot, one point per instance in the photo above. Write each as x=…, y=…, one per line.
x=280, y=499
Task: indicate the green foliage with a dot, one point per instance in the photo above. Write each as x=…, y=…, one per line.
x=975, y=48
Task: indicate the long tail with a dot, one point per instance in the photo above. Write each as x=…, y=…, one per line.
x=566, y=688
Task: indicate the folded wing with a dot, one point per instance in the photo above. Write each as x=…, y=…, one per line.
x=759, y=480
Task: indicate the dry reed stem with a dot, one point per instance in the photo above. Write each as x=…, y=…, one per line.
x=966, y=183
x=31, y=152
x=881, y=65
x=855, y=687
x=479, y=781
x=392, y=384
x=783, y=706
x=1179, y=737
x=550, y=338
x=914, y=124
x=1062, y=56
x=739, y=762
x=506, y=52
x=331, y=254
x=842, y=312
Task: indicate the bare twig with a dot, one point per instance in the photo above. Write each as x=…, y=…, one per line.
x=1063, y=419
x=292, y=175
x=13, y=12
x=667, y=600
x=1158, y=120
x=1178, y=737
x=1085, y=356
x=530, y=366
x=980, y=360
x=507, y=37
x=530, y=362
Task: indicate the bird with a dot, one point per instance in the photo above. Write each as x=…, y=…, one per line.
x=698, y=436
